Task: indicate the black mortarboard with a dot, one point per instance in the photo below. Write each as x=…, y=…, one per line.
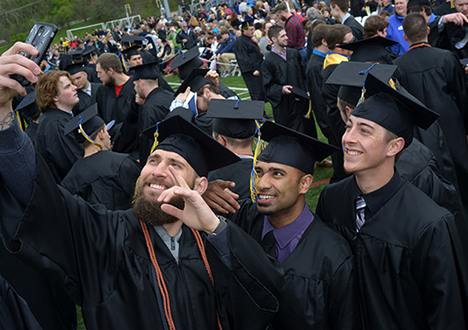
x=127, y=40
x=88, y=51
x=75, y=68
x=373, y=49
x=199, y=149
x=351, y=76
x=412, y=3
x=131, y=51
x=300, y=92
x=235, y=119
x=185, y=113
x=292, y=148
x=138, y=40
x=145, y=71
x=77, y=55
x=186, y=62
x=195, y=80
x=396, y=110
x=28, y=105
x=89, y=120
x=246, y=25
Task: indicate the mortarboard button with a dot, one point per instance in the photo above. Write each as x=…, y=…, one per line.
x=235, y=119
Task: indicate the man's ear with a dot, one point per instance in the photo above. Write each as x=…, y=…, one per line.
x=305, y=183
x=396, y=145
x=406, y=38
x=201, y=184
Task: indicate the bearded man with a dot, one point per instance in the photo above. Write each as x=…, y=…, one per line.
x=137, y=269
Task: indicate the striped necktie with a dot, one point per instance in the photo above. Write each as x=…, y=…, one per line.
x=360, y=212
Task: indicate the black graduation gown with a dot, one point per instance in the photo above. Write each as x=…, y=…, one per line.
x=191, y=37
x=356, y=28
x=58, y=150
x=86, y=100
x=250, y=58
x=102, y=260
x=154, y=110
x=106, y=178
x=314, y=86
x=204, y=123
x=31, y=130
x=438, y=82
x=112, y=107
x=239, y=173
x=47, y=300
x=226, y=91
x=418, y=165
x=408, y=259
x=14, y=311
x=337, y=127
x=288, y=110
x=319, y=290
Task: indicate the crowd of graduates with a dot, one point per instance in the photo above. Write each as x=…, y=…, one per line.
x=184, y=208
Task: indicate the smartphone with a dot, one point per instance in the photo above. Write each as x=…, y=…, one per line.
x=40, y=36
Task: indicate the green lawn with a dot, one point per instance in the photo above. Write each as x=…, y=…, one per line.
x=319, y=175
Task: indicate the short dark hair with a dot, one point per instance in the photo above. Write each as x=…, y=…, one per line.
x=274, y=31
x=418, y=8
x=335, y=35
x=319, y=30
x=374, y=24
x=415, y=27
x=85, y=144
x=342, y=4
x=108, y=61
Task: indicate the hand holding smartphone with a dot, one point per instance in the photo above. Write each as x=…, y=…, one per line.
x=40, y=36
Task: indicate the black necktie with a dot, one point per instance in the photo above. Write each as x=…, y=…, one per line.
x=268, y=244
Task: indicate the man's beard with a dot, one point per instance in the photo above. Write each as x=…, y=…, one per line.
x=110, y=82
x=149, y=211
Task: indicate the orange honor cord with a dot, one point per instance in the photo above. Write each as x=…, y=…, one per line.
x=162, y=284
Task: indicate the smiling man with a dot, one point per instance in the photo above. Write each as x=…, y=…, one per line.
x=409, y=262
x=141, y=268
x=56, y=96
x=318, y=290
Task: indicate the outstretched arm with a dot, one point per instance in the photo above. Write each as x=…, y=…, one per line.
x=18, y=164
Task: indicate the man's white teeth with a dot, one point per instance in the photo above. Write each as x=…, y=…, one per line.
x=353, y=153
x=264, y=197
x=157, y=186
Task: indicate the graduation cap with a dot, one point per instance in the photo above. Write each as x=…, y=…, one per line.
x=28, y=105
x=77, y=55
x=185, y=113
x=246, y=25
x=146, y=71
x=235, y=119
x=195, y=80
x=352, y=75
x=186, y=62
x=88, y=51
x=199, y=149
x=394, y=109
x=292, y=148
x=131, y=51
x=139, y=40
x=371, y=50
x=85, y=124
x=75, y=68
x=300, y=92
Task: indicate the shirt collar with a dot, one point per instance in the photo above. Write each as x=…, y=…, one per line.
x=345, y=18
x=286, y=234
x=319, y=53
x=376, y=199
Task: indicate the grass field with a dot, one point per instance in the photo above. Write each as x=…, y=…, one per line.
x=321, y=174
